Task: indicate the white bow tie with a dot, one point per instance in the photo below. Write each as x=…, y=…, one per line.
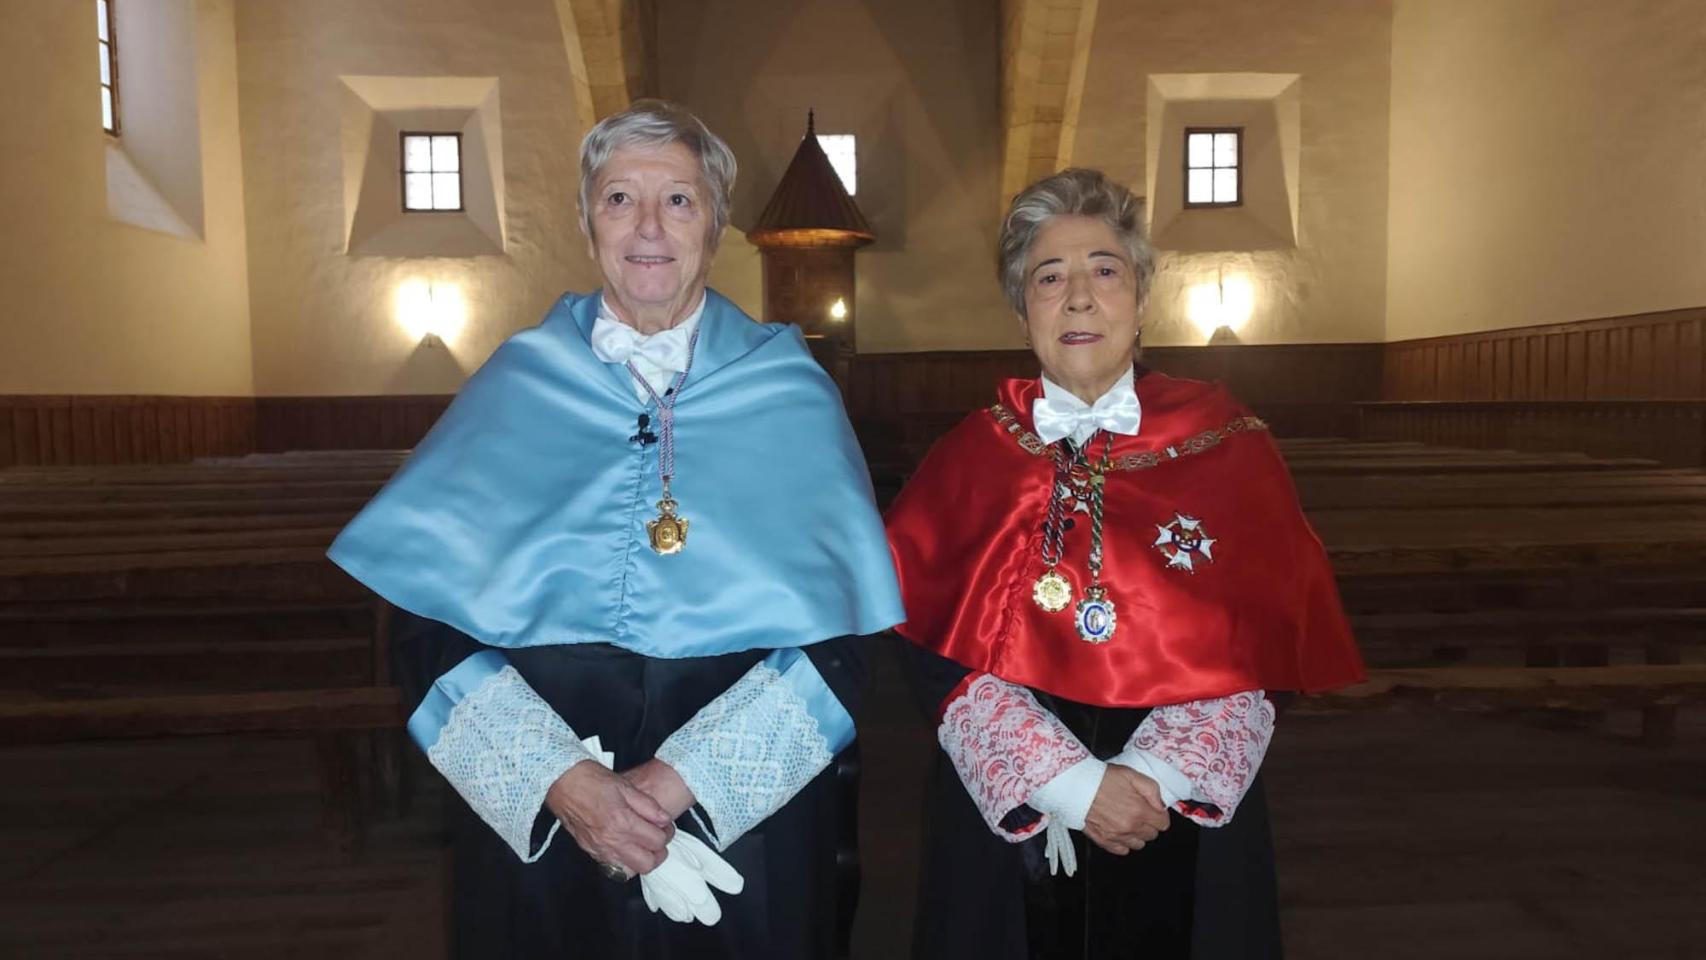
x=1117, y=411
x=615, y=342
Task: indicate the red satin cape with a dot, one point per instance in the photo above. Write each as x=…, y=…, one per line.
x=1263, y=614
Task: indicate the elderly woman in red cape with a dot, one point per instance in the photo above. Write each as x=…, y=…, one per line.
x=1107, y=579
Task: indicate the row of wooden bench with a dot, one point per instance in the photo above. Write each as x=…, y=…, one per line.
x=177, y=600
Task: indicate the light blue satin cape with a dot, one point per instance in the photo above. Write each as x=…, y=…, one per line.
x=520, y=519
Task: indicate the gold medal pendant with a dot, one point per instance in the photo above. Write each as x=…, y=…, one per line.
x=668, y=533
x=1052, y=592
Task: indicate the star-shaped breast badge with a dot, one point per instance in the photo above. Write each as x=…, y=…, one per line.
x=1184, y=542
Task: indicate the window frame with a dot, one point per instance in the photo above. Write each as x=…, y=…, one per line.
x=403, y=172
x=1238, y=168
x=853, y=139
x=111, y=43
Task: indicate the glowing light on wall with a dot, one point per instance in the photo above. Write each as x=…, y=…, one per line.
x=431, y=311
x=1227, y=302
x=838, y=309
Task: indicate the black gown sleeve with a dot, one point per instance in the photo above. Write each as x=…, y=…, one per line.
x=843, y=662
x=930, y=676
x=423, y=650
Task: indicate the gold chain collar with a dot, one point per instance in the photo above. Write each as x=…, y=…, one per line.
x=1207, y=440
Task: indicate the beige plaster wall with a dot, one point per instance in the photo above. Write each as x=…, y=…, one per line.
x=326, y=322
x=89, y=304
x=1548, y=162
x=917, y=83
x=1330, y=286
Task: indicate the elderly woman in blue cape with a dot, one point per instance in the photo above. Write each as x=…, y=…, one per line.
x=641, y=540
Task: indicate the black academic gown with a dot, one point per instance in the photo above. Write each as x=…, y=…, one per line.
x=561, y=906
x=1194, y=893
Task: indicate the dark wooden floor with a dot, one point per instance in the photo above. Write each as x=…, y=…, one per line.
x=203, y=848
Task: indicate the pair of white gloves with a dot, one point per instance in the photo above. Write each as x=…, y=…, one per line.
x=681, y=885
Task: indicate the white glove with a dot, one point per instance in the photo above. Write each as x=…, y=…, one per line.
x=681, y=885
x=1067, y=799
x=1059, y=850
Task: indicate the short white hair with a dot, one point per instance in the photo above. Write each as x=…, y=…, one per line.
x=1075, y=192
x=657, y=123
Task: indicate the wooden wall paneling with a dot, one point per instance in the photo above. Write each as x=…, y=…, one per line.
x=1640, y=358
x=1399, y=367
x=1536, y=386
x=345, y=423
x=1688, y=357
x=1617, y=362
x=1666, y=340
x=1301, y=388
x=1598, y=365
x=64, y=430
x=152, y=446
x=899, y=401
x=1557, y=384
x=1501, y=375
x=83, y=433
x=63, y=449
x=8, y=435
x=174, y=432
x=1576, y=365
x=26, y=440
x=1646, y=356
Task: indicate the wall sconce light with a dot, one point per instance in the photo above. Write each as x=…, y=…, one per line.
x=1227, y=303
x=838, y=309
x=432, y=313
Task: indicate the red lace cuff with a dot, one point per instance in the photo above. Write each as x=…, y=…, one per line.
x=1217, y=744
x=1005, y=746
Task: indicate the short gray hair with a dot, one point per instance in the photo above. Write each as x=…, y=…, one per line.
x=1075, y=192
x=657, y=123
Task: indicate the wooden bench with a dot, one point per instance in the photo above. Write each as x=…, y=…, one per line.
x=336, y=719
x=140, y=592
x=1654, y=690
x=1468, y=589
x=1501, y=687
x=1526, y=629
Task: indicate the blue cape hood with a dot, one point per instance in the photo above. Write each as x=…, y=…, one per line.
x=520, y=519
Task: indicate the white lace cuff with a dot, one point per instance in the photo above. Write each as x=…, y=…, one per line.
x=747, y=753
x=1069, y=795
x=498, y=743
x=1217, y=744
x=1005, y=747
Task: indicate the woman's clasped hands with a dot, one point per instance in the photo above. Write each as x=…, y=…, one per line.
x=625, y=822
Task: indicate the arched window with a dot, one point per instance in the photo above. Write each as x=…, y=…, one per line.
x=109, y=66
x=843, y=156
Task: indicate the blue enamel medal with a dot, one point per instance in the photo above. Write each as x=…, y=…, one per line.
x=1094, y=616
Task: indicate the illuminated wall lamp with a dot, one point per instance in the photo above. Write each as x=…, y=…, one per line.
x=432, y=313
x=1225, y=305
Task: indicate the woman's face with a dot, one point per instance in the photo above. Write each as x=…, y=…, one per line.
x=649, y=219
x=1081, y=307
